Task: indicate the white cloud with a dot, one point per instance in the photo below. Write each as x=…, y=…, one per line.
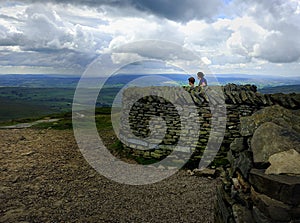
x=206, y=34
x=267, y=30
x=126, y=30
x=44, y=37
x=246, y=36
x=45, y=29
x=124, y=58
x=205, y=60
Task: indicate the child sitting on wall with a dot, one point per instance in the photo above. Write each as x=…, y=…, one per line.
x=192, y=82
x=202, y=80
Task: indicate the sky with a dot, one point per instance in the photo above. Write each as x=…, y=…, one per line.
x=230, y=36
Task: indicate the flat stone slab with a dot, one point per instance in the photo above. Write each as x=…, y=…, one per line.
x=280, y=187
x=274, y=209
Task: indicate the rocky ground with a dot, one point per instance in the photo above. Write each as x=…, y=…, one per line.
x=44, y=178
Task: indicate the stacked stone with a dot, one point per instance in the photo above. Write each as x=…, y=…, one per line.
x=249, y=193
x=240, y=101
x=140, y=115
x=152, y=112
x=205, y=124
x=248, y=95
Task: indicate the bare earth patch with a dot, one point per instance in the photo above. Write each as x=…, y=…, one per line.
x=44, y=178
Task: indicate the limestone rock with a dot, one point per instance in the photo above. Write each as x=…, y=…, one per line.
x=271, y=138
x=287, y=162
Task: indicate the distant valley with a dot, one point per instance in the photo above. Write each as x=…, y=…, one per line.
x=119, y=80
x=28, y=96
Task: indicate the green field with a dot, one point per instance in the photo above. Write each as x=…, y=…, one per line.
x=16, y=109
x=20, y=103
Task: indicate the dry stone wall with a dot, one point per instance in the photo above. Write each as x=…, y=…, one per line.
x=153, y=108
x=262, y=182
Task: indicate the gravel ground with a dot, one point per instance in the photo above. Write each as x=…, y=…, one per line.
x=44, y=178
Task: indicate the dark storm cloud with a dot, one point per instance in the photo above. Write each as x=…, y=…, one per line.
x=176, y=10
x=180, y=10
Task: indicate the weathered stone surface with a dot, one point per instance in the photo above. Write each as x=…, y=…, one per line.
x=276, y=114
x=295, y=98
x=274, y=209
x=259, y=217
x=271, y=138
x=241, y=214
x=277, y=199
x=284, y=100
x=223, y=204
x=243, y=163
x=295, y=212
x=245, y=187
x=280, y=187
x=287, y=162
x=238, y=145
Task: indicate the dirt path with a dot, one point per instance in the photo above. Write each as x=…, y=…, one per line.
x=44, y=178
x=29, y=124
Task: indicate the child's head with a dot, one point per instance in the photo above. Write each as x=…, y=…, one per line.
x=191, y=81
x=200, y=75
